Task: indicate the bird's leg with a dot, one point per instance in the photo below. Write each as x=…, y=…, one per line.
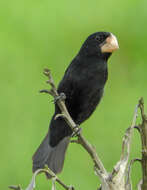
x=61, y=96
x=77, y=131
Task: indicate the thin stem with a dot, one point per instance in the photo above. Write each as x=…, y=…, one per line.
x=64, y=112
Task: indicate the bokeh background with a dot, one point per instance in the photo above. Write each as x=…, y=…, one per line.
x=38, y=34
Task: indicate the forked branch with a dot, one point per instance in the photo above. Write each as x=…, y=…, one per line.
x=81, y=140
x=119, y=178
x=111, y=181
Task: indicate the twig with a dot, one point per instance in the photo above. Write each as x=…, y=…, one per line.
x=65, y=114
x=119, y=179
x=128, y=177
x=109, y=181
x=126, y=144
x=32, y=184
x=119, y=172
x=138, y=128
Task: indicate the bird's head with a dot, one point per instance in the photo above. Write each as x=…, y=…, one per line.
x=100, y=44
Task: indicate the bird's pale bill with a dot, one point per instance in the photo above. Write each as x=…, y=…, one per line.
x=110, y=44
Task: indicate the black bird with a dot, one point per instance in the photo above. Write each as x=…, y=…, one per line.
x=83, y=84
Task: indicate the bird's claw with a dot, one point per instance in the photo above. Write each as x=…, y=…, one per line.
x=61, y=96
x=77, y=131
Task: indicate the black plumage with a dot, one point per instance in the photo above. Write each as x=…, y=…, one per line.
x=83, y=84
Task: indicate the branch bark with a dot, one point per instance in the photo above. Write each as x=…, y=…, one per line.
x=115, y=180
x=65, y=114
x=32, y=184
x=119, y=178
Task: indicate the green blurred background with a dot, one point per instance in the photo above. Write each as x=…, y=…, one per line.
x=38, y=34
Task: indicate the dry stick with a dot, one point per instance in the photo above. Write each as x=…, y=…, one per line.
x=81, y=140
x=126, y=144
x=65, y=114
x=143, y=133
x=119, y=173
x=52, y=174
x=120, y=170
x=32, y=184
x=128, y=177
x=114, y=181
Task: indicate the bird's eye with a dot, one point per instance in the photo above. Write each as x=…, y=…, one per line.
x=98, y=38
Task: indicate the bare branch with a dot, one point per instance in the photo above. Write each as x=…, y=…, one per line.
x=119, y=172
x=109, y=181
x=128, y=176
x=126, y=144
x=119, y=178
x=32, y=184
x=89, y=148
x=47, y=92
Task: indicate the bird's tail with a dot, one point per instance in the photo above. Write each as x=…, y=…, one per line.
x=51, y=156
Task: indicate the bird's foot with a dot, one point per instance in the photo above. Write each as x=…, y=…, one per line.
x=61, y=96
x=77, y=131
